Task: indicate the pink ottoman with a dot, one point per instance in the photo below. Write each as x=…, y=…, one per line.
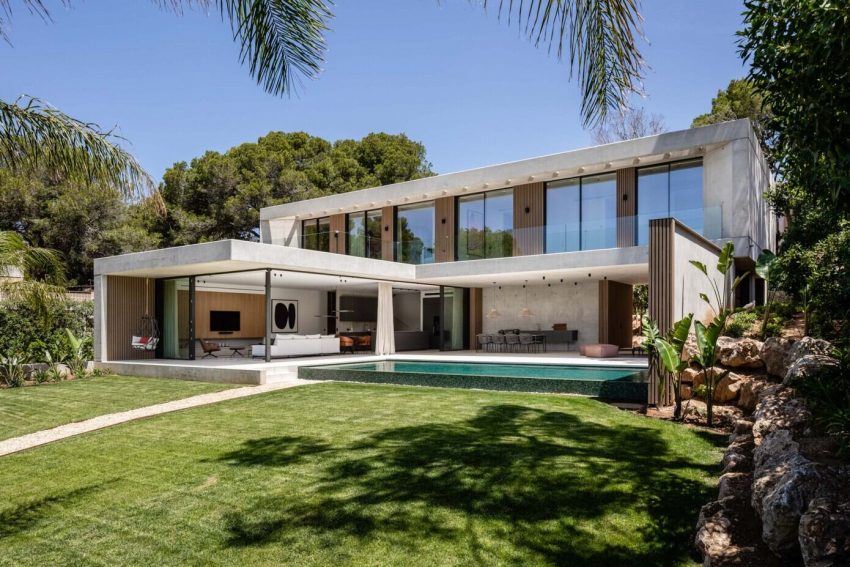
x=600, y=350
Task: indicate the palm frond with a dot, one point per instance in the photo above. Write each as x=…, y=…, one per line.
x=600, y=36
x=35, y=7
x=15, y=252
x=281, y=41
x=35, y=135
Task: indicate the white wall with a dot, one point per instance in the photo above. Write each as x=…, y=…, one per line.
x=310, y=303
x=407, y=311
x=689, y=282
x=575, y=305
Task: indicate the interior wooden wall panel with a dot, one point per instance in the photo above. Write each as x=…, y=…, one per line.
x=602, y=318
x=626, y=206
x=125, y=307
x=661, y=288
x=339, y=231
x=444, y=217
x=388, y=234
x=250, y=306
x=529, y=227
x=476, y=314
x=620, y=314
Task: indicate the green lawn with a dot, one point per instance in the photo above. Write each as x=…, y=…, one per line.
x=349, y=474
x=33, y=408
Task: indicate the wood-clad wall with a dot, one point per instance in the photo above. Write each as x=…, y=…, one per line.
x=626, y=206
x=249, y=305
x=444, y=217
x=388, y=234
x=339, y=231
x=125, y=307
x=529, y=227
x=615, y=313
x=661, y=288
x=476, y=315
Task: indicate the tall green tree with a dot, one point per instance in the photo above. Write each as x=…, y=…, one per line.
x=800, y=63
x=282, y=41
x=740, y=99
x=219, y=195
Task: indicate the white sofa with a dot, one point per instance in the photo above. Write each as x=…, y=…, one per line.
x=298, y=345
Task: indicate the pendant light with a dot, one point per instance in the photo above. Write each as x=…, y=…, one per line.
x=526, y=312
x=494, y=313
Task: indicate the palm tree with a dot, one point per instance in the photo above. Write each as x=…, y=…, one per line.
x=282, y=42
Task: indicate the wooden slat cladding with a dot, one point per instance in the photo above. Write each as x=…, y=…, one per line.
x=476, y=315
x=626, y=206
x=529, y=227
x=125, y=306
x=661, y=288
x=339, y=231
x=388, y=234
x=615, y=313
x=249, y=305
x=444, y=217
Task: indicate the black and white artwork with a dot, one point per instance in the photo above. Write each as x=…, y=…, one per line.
x=285, y=315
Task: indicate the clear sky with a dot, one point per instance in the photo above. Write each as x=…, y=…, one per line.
x=445, y=73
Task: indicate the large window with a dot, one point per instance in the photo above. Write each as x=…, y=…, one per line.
x=670, y=190
x=316, y=234
x=364, y=234
x=415, y=233
x=581, y=214
x=485, y=223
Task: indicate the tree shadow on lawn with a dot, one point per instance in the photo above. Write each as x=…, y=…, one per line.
x=23, y=517
x=529, y=477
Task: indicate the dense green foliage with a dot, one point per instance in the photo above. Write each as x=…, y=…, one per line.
x=801, y=65
x=353, y=474
x=220, y=195
x=828, y=396
x=28, y=330
x=33, y=409
x=740, y=99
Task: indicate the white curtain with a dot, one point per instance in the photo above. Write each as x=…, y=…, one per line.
x=385, y=334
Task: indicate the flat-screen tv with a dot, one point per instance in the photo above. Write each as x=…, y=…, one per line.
x=224, y=321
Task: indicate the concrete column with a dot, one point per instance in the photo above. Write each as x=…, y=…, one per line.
x=100, y=318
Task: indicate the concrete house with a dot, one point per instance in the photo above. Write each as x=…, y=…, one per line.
x=551, y=244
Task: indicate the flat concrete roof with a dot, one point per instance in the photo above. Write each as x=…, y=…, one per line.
x=629, y=265
x=681, y=144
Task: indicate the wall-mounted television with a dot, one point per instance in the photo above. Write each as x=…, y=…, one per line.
x=224, y=321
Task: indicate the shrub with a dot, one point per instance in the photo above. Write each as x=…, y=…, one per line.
x=740, y=323
x=12, y=370
x=828, y=395
x=24, y=331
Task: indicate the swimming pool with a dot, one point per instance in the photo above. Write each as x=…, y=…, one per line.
x=608, y=382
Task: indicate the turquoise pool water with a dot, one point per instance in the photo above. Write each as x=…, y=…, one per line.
x=539, y=371
x=607, y=382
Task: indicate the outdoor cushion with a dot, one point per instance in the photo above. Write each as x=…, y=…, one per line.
x=600, y=350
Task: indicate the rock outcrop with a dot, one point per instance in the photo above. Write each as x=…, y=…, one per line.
x=808, y=366
x=774, y=354
x=825, y=533
x=739, y=353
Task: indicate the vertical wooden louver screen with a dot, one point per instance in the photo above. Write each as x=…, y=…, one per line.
x=125, y=306
x=444, y=218
x=529, y=219
x=339, y=231
x=661, y=287
x=626, y=206
x=476, y=314
x=388, y=234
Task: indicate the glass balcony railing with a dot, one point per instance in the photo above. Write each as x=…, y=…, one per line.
x=552, y=238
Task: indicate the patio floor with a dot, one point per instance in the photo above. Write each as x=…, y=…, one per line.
x=255, y=371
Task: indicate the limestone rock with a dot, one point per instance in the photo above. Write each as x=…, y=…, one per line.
x=748, y=395
x=824, y=533
x=739, y=454
x=807, y=346
x=726, y=390
x=686, y=391
x=808, y=366
x=739, y=353
x=774, y=354
x=778, y=409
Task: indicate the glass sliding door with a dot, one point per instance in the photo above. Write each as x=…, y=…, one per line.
x=373, y=235
x=563, y=216
x=364, y=234
x=175, y=318
x=454, y=318
x=415, y=233
x=599, y=212
x=670, y=190
x=499, y=219
x=470, y=227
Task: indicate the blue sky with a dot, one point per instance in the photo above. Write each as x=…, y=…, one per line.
x=445, y=73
